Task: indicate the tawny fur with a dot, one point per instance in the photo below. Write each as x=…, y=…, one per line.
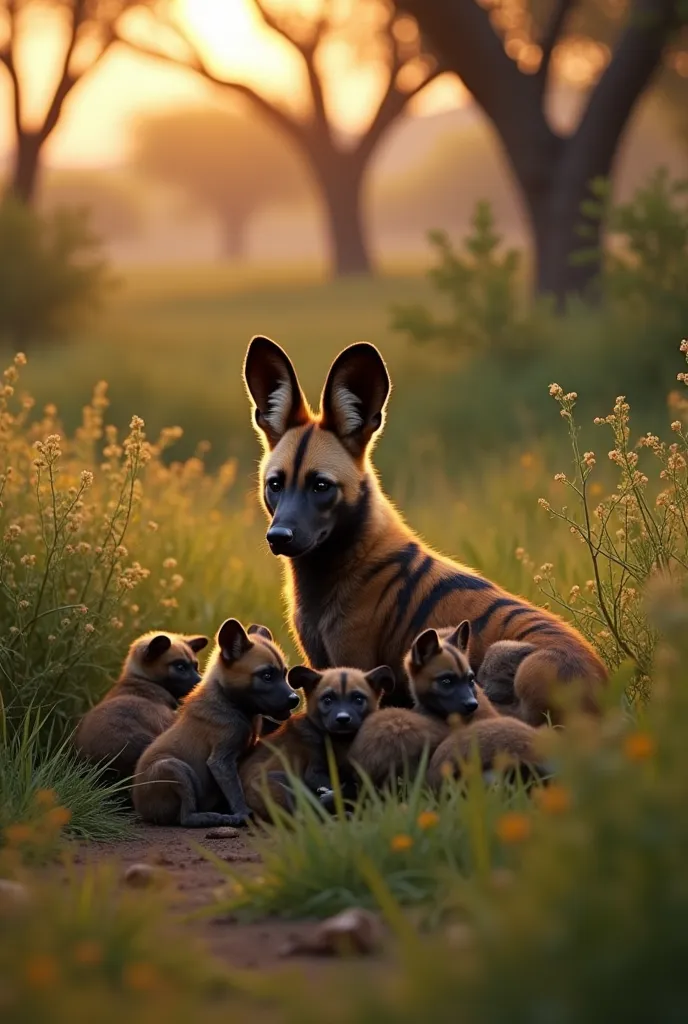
x=301, y=743
x=141, y=704
x=189, y=775
x=392, y=742
x=497, y=674
x=363, y=585
x=496, y=738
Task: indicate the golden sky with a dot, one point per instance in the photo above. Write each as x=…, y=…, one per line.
x=94, y=127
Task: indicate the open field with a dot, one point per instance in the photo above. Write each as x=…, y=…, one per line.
x=575, y=902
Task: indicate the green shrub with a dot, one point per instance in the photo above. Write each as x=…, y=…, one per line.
x=51, y=272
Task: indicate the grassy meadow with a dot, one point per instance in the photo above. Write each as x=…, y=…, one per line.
x=575, y=900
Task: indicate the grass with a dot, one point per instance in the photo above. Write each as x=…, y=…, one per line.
x=575, y=905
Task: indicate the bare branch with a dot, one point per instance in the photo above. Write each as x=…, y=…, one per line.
x=7, y=58
x=551, y=36
x=280, y=117
x=635, y=60
x=67, y=80
x=391, y=106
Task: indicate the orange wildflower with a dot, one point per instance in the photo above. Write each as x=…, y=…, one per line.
x=88, y=954
x=15, y=835
x=46, y=798
x=427, y=819
x=401, y=842
x=59, y=816
x=41, y=971
x=638, y=746
x=140, y=976
x=554, y=799
x=513, y=827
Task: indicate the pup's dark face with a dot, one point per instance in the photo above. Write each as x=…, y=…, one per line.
x=339, y=700
x=313, y=475
x=169, y=660
x=254, y=671
x=441, y=678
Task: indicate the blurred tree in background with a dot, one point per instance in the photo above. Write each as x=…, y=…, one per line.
x=504, y=52
x=86, y=30
x=367, y=33
x=232, y=164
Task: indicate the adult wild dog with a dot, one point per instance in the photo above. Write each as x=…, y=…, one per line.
x=360, y=585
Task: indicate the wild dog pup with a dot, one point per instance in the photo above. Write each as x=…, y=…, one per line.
x=338, y=701
x=495, y=738
x=190, y=773
x=497, y=674
x=159, y=671
x=392, y=741
x=360, y=585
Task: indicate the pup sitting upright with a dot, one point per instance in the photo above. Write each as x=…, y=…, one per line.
x=160, y=669
x=189, y=776
x=338, y=701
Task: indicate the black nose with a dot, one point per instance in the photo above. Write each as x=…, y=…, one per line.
x=294, y=700
x=343, y=718
x=469, y=707
x=280, y=539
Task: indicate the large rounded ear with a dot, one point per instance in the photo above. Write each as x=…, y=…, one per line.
x=263, y=631
x=425, y=647
x=233, y=641
x=302, y=678
x=271, y=381
x=381, y=679
x=157, y=647
x=461, y=635
x=354, y=397
x=197, y=643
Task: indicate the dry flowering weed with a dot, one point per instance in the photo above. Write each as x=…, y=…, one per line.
x=635, y=534
x=83, y=565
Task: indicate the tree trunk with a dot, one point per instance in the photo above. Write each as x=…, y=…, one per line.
x=341, y=184
x=234, y=238
x=556, y=220
x=26, y=168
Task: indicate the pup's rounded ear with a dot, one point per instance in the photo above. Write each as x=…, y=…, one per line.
x=300, y=677
x=157, y=647
x=197, y=643
x=425, y=647
x=355, y=395
x=461, y=635
x=233, y=641
x=272, y=384
x=263, y=631
x=381, y=679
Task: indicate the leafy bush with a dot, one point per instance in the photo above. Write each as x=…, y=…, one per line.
x=51, y=272
x=485, y=290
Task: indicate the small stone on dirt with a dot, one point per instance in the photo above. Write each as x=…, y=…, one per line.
x=223, y=832
x=353, y=931
x=141, y=876
x=13, y=894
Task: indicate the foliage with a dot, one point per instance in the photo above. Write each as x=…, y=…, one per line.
x=314, y=863
x=51, y=273
x=637, y=533
x=83, y=564
x=88, y=950
x=46, y=790
x=484, y=289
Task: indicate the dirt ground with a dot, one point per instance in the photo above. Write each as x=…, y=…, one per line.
x=194, y=880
